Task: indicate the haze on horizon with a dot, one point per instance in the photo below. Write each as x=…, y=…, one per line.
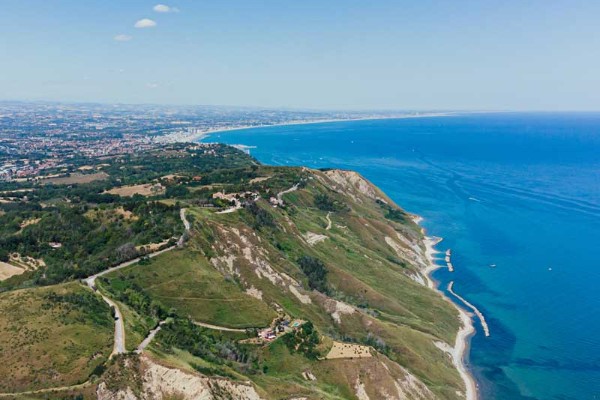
x=351, y=54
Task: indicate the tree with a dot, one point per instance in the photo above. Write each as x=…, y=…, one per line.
x=4, y=255
x=315, y=271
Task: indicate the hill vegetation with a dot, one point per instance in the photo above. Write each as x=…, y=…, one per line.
x=278, y=265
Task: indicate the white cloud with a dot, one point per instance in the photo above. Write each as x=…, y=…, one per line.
x=152, y=85
x=123, y=38
x=145, y=23
x=163, y=8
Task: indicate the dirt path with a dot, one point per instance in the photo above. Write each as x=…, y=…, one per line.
x=48, y=390
x=328, y=221
x=92, y=279
x=290, y=190
x=238, y=206
x=149, y=338
x=219, y=328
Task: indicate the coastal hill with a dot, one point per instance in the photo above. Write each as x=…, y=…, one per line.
x=193, y=271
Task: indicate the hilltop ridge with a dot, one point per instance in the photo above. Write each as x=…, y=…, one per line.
x=287, y=283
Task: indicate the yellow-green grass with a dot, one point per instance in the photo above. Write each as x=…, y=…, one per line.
x=283, y=378
x=410, y=316
x=365, y=271
x=185, y=281
x=360, y=265
x=76, y=179
x=181, y=359
x=47, y=343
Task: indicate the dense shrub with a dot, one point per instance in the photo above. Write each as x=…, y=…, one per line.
x=261, y=217
x=315, y=271
x=304, y=340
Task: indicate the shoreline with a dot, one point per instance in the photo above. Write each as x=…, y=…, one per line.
x=196, y=137
x=479, y=314
x=461, y=346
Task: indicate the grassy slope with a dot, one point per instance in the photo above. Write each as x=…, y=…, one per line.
x=184, y=280
x=49, y=344
x=363, y=271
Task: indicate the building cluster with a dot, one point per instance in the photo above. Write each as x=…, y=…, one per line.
x=279, y=327
x=34, y=135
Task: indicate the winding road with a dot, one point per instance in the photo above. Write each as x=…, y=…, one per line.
x=186, y=225
x=119, y=339
x=290, y=190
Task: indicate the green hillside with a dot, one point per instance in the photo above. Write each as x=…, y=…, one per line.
x=289, y=283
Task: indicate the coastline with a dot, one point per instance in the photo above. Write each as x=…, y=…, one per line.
x=196, y=137
x=461, y=346
x=458, y=352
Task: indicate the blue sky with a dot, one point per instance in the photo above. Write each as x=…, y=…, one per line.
x=355, y=54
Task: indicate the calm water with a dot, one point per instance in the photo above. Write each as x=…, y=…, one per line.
x=521, y=191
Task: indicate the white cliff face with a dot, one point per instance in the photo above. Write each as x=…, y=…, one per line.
x=160, y=381
x=350, y=183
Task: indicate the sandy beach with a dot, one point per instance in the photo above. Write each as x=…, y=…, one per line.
x=461, y=346
x=195, y=137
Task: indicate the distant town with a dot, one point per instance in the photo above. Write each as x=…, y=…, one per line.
x=38, y=137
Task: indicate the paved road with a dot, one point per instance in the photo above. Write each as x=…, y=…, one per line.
x=90, y=281
x=186, y=225
x=119, y=344
x=119, y=340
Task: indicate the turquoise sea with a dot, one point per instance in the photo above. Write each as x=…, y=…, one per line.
x=518, y=191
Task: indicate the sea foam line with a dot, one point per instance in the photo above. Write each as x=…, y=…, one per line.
x=486, y=329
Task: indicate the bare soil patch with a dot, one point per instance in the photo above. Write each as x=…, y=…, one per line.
x=348, y=350
x=147, y=189
x=75, y=179
x=7, y=271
